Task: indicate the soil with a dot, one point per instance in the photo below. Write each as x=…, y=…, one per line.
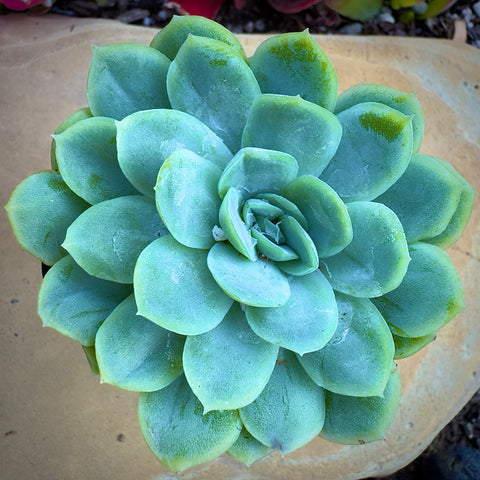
x=455, y=453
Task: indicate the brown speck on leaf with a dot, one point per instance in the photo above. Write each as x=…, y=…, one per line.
x=361, y=442
x=279, y=362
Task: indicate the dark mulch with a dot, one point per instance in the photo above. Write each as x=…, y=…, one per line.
x=455, y=452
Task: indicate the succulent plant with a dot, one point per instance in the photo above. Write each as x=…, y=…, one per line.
x=240, y=244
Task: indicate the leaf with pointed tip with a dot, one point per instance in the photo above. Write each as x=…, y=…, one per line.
x=91, y=358
x=40, y=210
x=293, y=125
x=376, y=260
x=429, y=296
x=306, y=322
x=136, y=354
x=357, y=420
x=301, y=243
x=218, y=364
x=294, y=64
x=75, y=303
x=211, y=81
x=407, y=103
x=406, y=347
x=258, y=283
x=86, y=154
x=187, y=199
x=291, y=409
x=145, y=139
x=256, y=170
x=171, y=37
x=357, y=359
x=374, y=152
x=107, y=239
x=460, y=218
x=177, y=431
x=329, y=224
x=432, y=198
x=247, y=449
x=77, y=116
x=174, y=288
x=126, y=77
x=233, y=225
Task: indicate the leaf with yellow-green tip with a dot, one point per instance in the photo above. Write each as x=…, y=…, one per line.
x=294, y=64
x=375, y=150
x=432, y=199
x=218, y=364
x=134, y=353
x=40, y=210
x=86, y=154
x=460, y=218
x=293, y=125
x=77, y=116
x=357, y=359
x=329, y=224
x=406, y=347
x=259, y=283
x=211, y=81
x=170, y=38
x=306, y=322
x=429, y=296
x=107, y=239
x=376, y=260
x=247, y=449
x=187, y=199
x=358, y=420
x=145, y=139
x=407, y=103
x=362, y=10
x=256, y=170
x=291, y=409
x=126, y=77
x=75, y=303
x=177, y=431
x=174, y=288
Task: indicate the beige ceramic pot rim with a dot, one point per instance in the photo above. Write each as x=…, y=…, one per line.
x=58, y=422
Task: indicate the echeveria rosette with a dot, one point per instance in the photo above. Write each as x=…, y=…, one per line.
x=240, y=245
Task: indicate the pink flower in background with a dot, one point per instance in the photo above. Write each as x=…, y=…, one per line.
x=21, y=4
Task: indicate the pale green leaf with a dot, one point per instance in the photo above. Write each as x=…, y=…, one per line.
x=218, y=364
x=406, y=347
x=174, y=288
x=247, y=449
x=357, y=359
x=136, y=354
x=290, y=411
x=429, y=296
x=107, y=239
x=306, y=322
x=407, y=103
x=424, y=198
x=256, y=170
x=294, y=64
x=145, y=139
x=40, y=210
x=126, y=77
x=187, y=199
x=177, y=431
x=374, y=152
x=86, y=154
x=293, y=125
x=257, y=283
x=171, y=37
x=75, y=303
x=359, y=420
x=376, y=260
x=329, y=224
x=212, y=81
